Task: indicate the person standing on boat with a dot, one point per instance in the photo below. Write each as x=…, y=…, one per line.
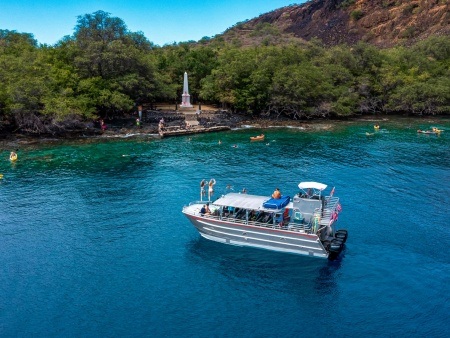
x=202, y=187
x=276, y=194
x=211, y=184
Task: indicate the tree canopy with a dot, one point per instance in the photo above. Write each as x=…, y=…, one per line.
x=104, y=69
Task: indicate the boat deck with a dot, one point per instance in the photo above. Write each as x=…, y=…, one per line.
x=266, y=221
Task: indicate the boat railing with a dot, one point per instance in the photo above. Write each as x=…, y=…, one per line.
x=305, y=228
x=244, y=221
x=329, y=210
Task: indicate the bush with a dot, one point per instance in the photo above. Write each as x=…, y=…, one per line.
x=357, y=14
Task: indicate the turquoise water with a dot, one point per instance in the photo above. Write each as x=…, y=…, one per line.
x=93, y=241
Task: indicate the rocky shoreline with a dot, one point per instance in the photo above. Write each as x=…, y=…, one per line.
x=148, y=127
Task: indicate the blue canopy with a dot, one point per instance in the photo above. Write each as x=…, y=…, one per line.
x=277, y=203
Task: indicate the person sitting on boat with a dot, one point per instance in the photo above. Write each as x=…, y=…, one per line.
x=203, y=210
x=207, y=210
x=276, y=194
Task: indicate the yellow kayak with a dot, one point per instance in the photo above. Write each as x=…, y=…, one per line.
x=257, y=138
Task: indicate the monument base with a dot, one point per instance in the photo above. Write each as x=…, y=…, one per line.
x=188, y=108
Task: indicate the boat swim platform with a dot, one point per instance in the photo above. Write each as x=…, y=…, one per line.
x=175, y=131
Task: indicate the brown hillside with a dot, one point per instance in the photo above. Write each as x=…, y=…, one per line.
x=384, y=23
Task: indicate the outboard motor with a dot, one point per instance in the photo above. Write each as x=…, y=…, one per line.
x=341, y=234
x=337, y=244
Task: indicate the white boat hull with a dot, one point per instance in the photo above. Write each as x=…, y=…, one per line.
x=247, y=235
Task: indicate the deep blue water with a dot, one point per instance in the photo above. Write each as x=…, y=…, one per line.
x=93, y=241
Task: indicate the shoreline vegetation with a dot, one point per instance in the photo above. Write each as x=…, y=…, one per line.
x=104, y=72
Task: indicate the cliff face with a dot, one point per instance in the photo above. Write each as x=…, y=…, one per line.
x=383, y=23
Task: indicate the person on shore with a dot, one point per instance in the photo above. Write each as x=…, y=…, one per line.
x=161, y=125
x=103, y=126
x=276, y=194
x=138, y=122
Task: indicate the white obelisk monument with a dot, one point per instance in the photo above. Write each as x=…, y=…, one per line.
x=185, y=98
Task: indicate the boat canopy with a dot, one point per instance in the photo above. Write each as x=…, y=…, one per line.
x=245, y=201
x=312, y=185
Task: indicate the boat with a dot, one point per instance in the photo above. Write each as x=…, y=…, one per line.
x=13, y=157
x=304, y=224
x=427, y=131
x=257, y=138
